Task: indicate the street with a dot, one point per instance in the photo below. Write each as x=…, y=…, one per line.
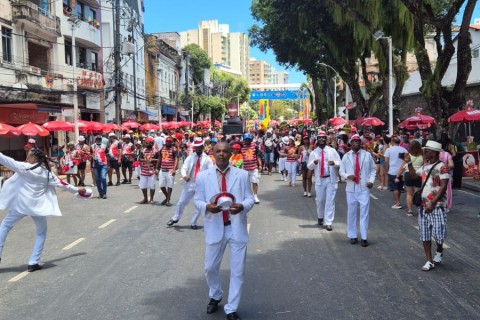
x=116, y=259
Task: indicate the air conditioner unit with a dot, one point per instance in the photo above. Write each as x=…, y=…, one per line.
x=128, y=48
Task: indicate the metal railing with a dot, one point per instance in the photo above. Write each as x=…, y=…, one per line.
x=31, y=12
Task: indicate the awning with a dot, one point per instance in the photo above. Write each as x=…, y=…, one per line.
x=152, y=114
x=169, y=110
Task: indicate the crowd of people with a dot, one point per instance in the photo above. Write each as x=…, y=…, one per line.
x=215, y=166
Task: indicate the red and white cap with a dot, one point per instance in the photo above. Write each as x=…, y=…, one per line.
x=197, y=142
x=86, y=195
x=355, y=137
x=321, y=134
x=223, y=200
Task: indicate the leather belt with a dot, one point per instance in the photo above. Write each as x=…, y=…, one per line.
x=327, y=176
x=165, y=170
x=227, y=223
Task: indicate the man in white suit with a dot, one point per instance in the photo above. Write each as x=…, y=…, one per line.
x=227, y=227
x=195, y=163
x=358, y=169
x=325, y=160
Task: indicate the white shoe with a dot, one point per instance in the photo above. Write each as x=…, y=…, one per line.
x=438, y=258
x=285, y=179
x=309, y=195
x=304, y=193
x=256, y=199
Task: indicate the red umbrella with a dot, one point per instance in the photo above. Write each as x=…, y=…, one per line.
x=58, y=125
x=32, y=129
x=5, y=128
x=89, y=126
x=465, y=116
x=413, y=126
x=108, y=127
x=372, y=121
x=149, y=126
x=419, y=119
x=131, y=124
x=337, y=121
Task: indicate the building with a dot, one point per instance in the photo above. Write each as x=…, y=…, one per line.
x=279, y=77
x=260, y=72
x=223, y=47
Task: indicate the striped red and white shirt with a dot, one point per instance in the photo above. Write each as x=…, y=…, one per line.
x=249, y=154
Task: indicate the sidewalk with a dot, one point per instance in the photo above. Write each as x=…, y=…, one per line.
x=471, y=184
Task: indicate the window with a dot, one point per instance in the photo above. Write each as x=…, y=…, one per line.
x=80, y=11
x=7, y=44
x=94, y=58
x=475, y=53
x=93, y=14
x=68, y=53
x=82, y=57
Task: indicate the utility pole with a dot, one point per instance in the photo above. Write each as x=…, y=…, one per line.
x=185, y=56
x=133, y=24
x=118, y=72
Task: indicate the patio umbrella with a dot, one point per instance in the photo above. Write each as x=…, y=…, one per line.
x=149, y=126
x=337, y=121
x=418, y=120
x=131, y=124
x=468, y=115
x=372, y=121
x=58, y=125
x=5, y=128
x=109, y=127
x=32, y=129
x=413, y=126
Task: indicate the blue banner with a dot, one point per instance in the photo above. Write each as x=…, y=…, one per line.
x=278, y=95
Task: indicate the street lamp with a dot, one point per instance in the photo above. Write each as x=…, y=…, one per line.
x=335, y=88
x=75, y=22
x=379, y=35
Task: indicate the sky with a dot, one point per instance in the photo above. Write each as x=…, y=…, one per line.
x=163, y=16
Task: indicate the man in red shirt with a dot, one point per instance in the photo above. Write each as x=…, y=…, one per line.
x=147, y=161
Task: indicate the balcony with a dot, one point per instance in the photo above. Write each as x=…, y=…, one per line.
x=36, y=18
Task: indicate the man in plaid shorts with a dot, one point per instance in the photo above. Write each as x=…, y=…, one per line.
x=432, y=217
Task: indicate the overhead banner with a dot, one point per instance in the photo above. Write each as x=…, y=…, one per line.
x=278, y=95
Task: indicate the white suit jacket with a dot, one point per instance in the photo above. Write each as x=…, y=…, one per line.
x=239, y=185
x=331, y=155
x=190, y=162
x=367, y=170
x=31, y=192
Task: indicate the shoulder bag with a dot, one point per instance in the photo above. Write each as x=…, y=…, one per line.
x=417, y=196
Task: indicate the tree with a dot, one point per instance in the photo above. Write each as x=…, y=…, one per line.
x=198, y=62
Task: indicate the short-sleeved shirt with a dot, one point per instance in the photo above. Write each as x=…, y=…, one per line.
x=393, y=160
x=434, y=183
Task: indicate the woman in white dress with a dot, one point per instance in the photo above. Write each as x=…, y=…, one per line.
x=70, y=161
x=31, y=192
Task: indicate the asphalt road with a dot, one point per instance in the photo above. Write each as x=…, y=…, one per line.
x=116, y=259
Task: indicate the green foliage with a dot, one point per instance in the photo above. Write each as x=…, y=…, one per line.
x=199, y=61
x=248, y=113
x=229, y=86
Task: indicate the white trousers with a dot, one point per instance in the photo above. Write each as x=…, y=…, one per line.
x=325, y=200
x=291, y=167
x=358, y=200
x=186, y=196
x=12, y=218
x=213, y=259
x=281, y=164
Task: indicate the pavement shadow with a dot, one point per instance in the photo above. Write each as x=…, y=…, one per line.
x=45, y=265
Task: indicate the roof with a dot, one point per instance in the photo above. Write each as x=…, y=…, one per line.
x=475, y=27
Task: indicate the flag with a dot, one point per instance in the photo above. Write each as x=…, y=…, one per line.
x=263, y=108
x=266, y=119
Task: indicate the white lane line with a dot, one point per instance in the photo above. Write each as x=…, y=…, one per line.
x=248, y=228
x=19, y=276
x=106, y=224
x=472, y=194
x=73, y=244
x=371, y=195
x=131, y=209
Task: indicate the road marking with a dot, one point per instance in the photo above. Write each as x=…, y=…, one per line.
x=73, y=244
x=248, y=228
x=19, y=276
x=472, y=194
x=371, y=195
x=131, y=209
x=106, y=224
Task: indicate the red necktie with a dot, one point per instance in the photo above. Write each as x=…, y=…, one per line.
x=357, y=168
x=224, y=189
x=197, y=168
x=322, y=168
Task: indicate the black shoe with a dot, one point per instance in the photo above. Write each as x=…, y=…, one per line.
x=329, y=228
x=171, y=222
x=100, y=196
x=193, y=227
x=353, y=240
x=364, y=243
x=34, y=267
x=233, y=316
x=105, y=196
x=110, y=184
x=125, y=181
x=213, y=305
x=168, y=204
x=164, y=202
x=130, y=181
x=118, y=183
x=320, y=222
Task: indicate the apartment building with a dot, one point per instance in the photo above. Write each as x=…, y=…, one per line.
x=260, y=72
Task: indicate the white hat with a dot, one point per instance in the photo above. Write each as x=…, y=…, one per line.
x=112, y=134
x=321, y=134
x=285, y=140
x=162, y=135
x=197, y=142
x=341, y=132
x=81, y=138
x=355, y=137
x=84, y=196
x=269, y=131
x=223, y=199
x=433, y=145
x=127, y=136
x=31, y=140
